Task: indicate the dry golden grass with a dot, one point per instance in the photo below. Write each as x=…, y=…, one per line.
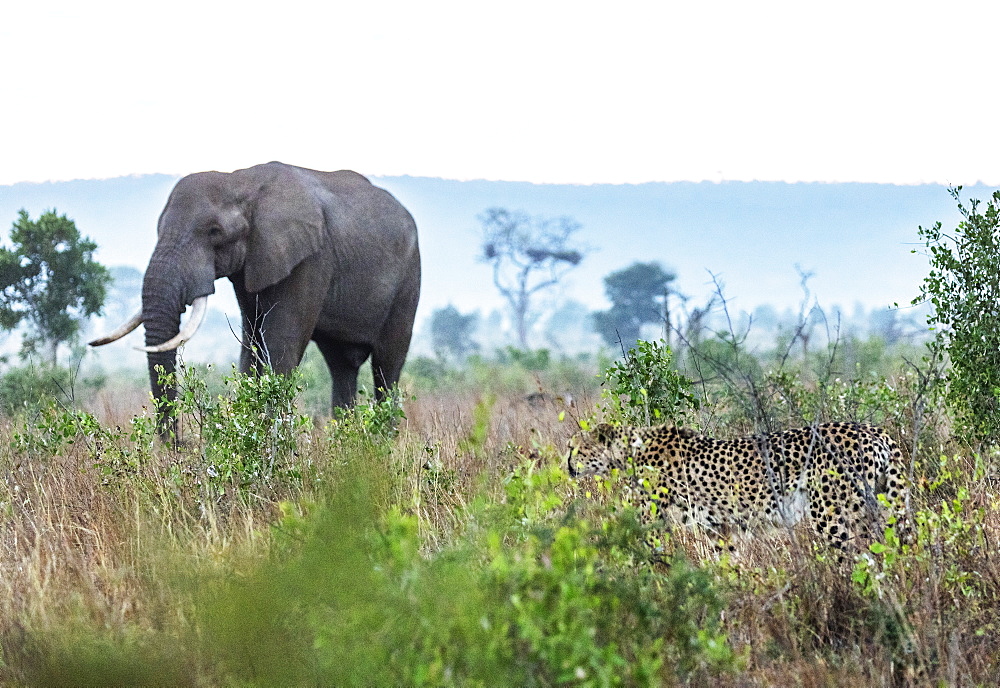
x=80, y=549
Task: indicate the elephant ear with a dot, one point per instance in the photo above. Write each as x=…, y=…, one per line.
x=287, y=227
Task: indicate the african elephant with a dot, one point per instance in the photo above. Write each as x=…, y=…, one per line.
x=321, y=256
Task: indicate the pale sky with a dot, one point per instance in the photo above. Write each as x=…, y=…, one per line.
x=577, y=92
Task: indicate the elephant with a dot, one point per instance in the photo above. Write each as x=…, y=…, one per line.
x=312, y=256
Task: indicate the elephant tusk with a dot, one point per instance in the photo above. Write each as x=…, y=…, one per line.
x=129, y=325
x=198, y=309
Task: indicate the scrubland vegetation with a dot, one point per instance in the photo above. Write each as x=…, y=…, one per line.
x=450, y=547
x=442, y=542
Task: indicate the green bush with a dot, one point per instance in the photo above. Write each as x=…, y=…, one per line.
x=509, y=372
x=870, y=399
x=586, y=605
x=54, y=428
x=534, y=360
x=30, y=387
x=244, y=436
x=370, y=418
x=429, y=373
x=964, y=288
x=645, y=389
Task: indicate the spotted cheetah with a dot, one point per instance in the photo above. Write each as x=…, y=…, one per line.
x=832, y=473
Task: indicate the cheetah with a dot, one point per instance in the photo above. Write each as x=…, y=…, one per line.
x=831, y=473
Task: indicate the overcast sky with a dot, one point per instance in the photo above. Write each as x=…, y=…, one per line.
x=901, y=92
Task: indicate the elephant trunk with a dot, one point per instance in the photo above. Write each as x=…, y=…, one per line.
x=194, y=322
x=162, y=322
x=164, y=296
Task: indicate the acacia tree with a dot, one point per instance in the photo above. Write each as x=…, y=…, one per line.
x=49, y=280
x=963, y=287
x=528, y=254
x=638, y=295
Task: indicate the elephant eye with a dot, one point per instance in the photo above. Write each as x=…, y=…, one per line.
x=215, y=232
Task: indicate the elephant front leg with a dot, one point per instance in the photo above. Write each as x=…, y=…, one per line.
x=277, y=325
x=276, y=349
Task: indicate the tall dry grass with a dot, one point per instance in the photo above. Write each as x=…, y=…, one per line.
x=112, y=560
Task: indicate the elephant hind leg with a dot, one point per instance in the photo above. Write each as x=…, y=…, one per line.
x=386, y=372
x=387, y=365
x=388, y=357
x=393, y=342
x=343, y=359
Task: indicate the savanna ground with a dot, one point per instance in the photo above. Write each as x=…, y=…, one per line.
x=275, y=548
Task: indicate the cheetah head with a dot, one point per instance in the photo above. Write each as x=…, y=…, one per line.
x=606, y=447
x=597, y=451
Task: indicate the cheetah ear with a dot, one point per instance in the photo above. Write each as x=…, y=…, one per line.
x=605, y=433
x=686, y=433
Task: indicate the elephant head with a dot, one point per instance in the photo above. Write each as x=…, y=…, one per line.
x=311, y=255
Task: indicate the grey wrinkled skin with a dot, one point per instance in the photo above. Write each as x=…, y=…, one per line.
x=320, y=256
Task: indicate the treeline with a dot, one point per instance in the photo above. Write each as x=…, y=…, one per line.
x=571, y=328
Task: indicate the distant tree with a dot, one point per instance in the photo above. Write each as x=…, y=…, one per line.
x=638, y=296
x=451, y=332
x=765, y=316
x=50, y=280
x=528, y=255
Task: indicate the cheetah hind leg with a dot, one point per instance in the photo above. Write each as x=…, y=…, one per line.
x=846, y=530
x=830, y=529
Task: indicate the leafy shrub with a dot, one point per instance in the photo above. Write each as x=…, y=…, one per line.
x=530, y=359
x=369, y=418
x=869, y=399
x=964, y=288
x=115, y=454
x=54, y=429
x=530, y=595
x=429, y=373
x=946, y=539
x=585, y=605
x=644, y=388
x=247, y=435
